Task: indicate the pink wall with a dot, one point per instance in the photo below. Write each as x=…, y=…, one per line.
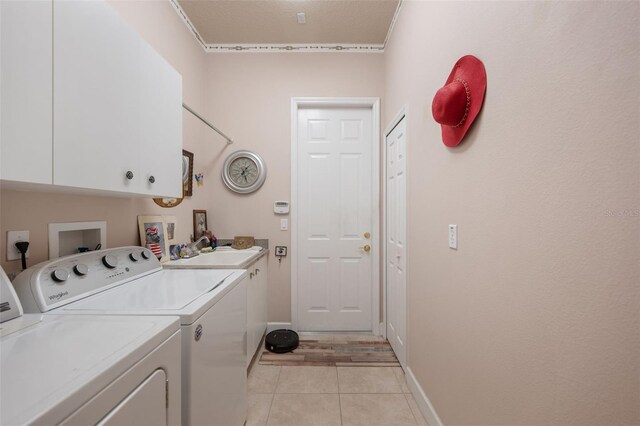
x=249, y=97
x=535, y=318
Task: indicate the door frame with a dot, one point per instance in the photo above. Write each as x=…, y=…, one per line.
x=402, y=114
x=298, y=103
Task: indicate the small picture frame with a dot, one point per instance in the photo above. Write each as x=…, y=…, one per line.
x=171, y=222
x=199, y=223
x=187, y=173
x=153, y=235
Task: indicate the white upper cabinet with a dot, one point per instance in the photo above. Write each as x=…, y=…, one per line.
x=117, y=105
x=116, y=120
x=26, y=92
x=160, y=116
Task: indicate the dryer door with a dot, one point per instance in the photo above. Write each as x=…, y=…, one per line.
x=145, y=405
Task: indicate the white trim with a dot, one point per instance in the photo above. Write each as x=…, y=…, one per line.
x=182, y=14
x=278, y=325
x=291, y=47
x=294, y=47
x=402, y=114
x=56, y=228
x=425, y=406
x=392, y=25
x=374, y=104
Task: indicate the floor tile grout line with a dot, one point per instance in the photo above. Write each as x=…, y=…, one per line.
x=273, y=396
x=406, y=398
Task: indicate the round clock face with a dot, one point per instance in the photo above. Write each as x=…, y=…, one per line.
x=244, y=172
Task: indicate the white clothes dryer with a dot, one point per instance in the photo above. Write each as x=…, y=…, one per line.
x=211, y=305
x=80, y=370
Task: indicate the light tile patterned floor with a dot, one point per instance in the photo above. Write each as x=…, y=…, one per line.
x=327, y=396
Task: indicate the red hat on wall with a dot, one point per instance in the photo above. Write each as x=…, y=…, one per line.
x=457, y=104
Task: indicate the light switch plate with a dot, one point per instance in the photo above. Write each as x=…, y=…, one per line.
x=12, y=238
x=284, y=224
x=453, y=237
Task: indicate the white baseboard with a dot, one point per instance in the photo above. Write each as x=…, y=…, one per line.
x=277, y=326
x=423, y=402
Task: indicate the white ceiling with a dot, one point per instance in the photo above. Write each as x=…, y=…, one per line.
x=272, y=24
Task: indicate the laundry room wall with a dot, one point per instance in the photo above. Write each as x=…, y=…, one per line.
x=249, y=97
x=534, y=318
x=159, y=24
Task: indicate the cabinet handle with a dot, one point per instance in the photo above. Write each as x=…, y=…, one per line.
x=257, y=270
x=152, y=179
x=250, y=275
x=129, y=175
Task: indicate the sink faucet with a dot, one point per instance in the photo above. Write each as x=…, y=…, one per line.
x=194, y=245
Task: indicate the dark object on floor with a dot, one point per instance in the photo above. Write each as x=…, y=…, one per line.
x=338, y=352
x=281, y=341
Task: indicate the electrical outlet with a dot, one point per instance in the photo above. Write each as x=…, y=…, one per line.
x=453, y=237
x=281, y=251
x=284, y=224
x=12, y=238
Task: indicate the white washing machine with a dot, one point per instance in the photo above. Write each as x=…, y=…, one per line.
x=211, y=305
x=80, y=370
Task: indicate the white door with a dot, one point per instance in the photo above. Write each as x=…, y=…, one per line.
x=335, y=185
x=396, y=229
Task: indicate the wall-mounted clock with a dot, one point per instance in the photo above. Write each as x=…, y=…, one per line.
x=244, y=172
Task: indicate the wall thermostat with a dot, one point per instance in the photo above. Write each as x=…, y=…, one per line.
x=281, y=207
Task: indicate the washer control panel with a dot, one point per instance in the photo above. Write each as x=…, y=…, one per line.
x=59, y=281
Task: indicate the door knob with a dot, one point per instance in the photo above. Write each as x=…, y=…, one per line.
x=366, y=248
x=367, y=235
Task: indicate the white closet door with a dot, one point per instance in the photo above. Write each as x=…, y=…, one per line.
x=335, y=185
x=396, y=218
x=96, y=99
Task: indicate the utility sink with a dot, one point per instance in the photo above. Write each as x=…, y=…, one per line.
x=219, y=259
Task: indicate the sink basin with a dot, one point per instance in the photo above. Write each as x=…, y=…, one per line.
x=236, y=259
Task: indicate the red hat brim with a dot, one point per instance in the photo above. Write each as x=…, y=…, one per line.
x=470, y=69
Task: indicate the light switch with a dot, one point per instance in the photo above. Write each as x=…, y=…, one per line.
x=284, y=224
x=453, y=237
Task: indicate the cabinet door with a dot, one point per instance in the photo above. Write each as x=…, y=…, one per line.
x=26, y=91
x=161, y=125
x=252, y=314
x=96, y=101
x=263, y=286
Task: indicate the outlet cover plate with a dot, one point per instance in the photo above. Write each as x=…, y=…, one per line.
x=453, y=237
x=12, y=238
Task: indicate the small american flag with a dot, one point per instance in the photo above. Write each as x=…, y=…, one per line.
x=155, y=248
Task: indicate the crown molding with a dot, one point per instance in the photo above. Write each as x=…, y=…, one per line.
x=293, y=47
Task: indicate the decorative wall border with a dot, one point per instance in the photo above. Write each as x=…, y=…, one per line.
x=295, y=47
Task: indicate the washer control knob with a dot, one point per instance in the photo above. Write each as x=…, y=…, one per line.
x=145, y=255
x=81, y=269
x=110, y=261
x=60, y=275
x=134, y=257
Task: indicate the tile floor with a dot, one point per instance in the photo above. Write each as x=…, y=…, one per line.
x=327, y=396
